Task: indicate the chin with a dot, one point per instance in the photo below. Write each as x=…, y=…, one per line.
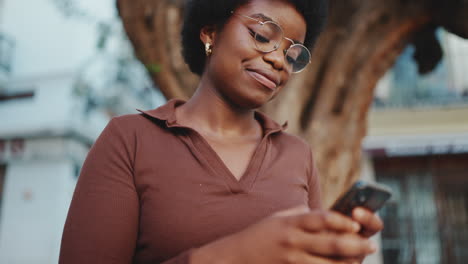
x=253, y=102
x=249, y=95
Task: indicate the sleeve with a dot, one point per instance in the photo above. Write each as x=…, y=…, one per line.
x=102, y=222
x=315, y=194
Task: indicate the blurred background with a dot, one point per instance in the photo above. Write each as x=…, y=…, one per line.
x=67, y=67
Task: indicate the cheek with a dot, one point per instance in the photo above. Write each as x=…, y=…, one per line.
x=235, y=45
x=227, y=61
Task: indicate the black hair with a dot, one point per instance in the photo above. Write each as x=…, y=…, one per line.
x=200, y=13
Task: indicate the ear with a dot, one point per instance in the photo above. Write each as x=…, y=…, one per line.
x=208, y=34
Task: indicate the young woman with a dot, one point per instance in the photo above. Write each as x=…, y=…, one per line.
x=211, y=180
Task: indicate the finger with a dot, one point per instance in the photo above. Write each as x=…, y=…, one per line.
x=327, y=220
x=351, y=260
x=370, y=222
x=337, y=245
x=313, y=259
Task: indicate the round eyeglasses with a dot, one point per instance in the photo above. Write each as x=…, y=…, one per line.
x=268, y=36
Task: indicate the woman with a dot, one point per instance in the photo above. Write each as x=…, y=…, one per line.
x=210, y=180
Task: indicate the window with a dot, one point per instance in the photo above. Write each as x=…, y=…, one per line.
x=446, y=85
x=426, y=220
x=2, y=183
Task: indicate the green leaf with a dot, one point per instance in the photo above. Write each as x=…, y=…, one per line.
x=154, y=67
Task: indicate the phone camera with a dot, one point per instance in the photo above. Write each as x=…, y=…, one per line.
x=361, y=198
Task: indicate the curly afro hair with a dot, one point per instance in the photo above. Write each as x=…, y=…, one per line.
x=200, y=13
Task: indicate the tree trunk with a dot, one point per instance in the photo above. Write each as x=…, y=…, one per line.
x=328, y=103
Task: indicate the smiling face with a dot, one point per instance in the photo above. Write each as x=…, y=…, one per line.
x=241, y=74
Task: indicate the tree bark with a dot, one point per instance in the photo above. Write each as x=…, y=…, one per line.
x=328, y=103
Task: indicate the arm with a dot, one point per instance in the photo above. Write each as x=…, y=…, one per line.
x=290, y=237
x=298, y=235
x=102, y=222
x=103, y=219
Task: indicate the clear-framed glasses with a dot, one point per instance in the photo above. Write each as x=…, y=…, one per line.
x=268, y=36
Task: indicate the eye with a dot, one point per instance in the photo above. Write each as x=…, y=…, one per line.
x=252, y=33
x=293, y=55
x=290, y=60
x=258, y=37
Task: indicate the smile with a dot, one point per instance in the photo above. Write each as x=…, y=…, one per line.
x=262, y=79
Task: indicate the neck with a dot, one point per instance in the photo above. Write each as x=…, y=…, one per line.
x=208, y=112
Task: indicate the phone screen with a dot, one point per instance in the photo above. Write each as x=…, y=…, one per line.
x=368, y=195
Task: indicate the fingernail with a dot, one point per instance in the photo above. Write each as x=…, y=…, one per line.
x=358, y=213
x=356, y=227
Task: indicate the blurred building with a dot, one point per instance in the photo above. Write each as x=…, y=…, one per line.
x=418, y=144
x=65, y=69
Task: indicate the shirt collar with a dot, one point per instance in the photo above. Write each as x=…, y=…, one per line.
x=166, y=113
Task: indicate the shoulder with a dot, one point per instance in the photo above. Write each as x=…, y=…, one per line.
x=131, y=120
x=159, y=117
x=131, y=129
x=291, y=142
x=295, y=147
x=277, y=133
x=282, y=140
x=133, y=123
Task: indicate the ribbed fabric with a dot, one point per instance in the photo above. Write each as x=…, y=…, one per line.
x=151, y=190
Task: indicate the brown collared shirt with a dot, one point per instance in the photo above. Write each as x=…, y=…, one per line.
x=150, y=190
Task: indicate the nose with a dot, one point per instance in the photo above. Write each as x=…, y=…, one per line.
x=275, y=58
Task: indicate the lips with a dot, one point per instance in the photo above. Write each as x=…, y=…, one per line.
x=265, y=78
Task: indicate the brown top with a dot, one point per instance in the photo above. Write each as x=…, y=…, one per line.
x=150, y=190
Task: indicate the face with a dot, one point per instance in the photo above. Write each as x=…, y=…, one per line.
x=240, y=73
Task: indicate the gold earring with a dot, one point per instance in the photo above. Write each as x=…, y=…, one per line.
x=208, y=49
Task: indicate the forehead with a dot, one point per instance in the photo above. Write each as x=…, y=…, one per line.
x=280, y=11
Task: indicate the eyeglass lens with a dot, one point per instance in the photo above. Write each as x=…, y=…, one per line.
x=268, y=37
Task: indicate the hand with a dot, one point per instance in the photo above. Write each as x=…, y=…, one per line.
x=369, y=221
x=301, y=238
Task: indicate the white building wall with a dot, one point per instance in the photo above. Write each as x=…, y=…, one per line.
x=46, y=137
x=456, y=52
x=34, y=207
x=47, y=42
x=53, y=110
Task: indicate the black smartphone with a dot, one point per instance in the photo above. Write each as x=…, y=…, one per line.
x=368, y=195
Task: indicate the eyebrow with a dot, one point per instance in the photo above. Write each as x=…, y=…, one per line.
x=262, y=16
x=267, y=18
